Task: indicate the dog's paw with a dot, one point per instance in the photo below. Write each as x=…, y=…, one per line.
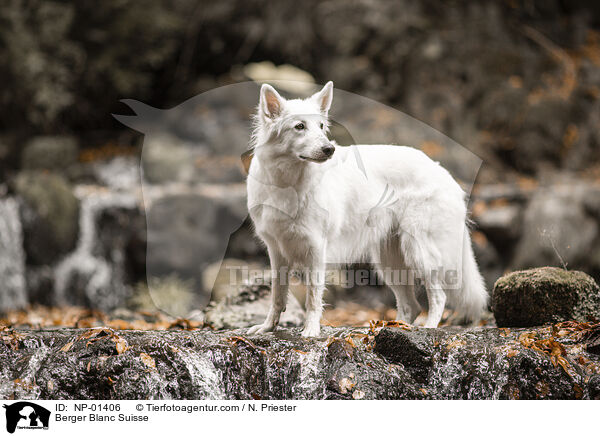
x=260, y=329
x=311, y=331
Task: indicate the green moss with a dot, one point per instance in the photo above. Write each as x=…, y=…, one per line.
x=541, y=295
x=51, y=217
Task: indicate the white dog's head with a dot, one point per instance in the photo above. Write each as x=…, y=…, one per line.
x=297, y=128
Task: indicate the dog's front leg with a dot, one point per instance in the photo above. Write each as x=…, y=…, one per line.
x=314, y=300
x=279, y=291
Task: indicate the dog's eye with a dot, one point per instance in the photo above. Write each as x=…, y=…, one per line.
x=321, y=126
x=299, y=126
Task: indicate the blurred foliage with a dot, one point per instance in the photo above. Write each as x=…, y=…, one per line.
x=493, y=75
x=85, y=55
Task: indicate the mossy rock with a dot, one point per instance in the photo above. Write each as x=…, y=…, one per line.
x=55, y=153
x=50, y=216
x=164, y=160
x=544, y=295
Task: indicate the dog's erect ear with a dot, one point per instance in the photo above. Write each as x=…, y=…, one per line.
x=324, y=97
x=271, y=103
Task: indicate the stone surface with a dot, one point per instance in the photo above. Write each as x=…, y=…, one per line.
x=543, y=295
x=250, y=307
x=412, y=349
x=344, y=363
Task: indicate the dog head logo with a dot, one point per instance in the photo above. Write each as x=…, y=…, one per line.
x=26, y=415
x=195, y=204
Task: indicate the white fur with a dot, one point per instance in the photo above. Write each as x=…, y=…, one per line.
x=390, y=205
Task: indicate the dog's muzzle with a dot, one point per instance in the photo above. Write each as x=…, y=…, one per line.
x=328, y=150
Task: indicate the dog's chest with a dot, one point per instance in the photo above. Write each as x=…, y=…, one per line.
x=283, y=211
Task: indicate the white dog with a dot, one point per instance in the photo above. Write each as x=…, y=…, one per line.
x=314, y=204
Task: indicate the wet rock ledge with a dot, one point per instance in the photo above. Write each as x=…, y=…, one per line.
x=388, y=361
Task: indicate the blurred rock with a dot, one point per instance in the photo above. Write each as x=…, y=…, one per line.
x=53, y=153
x=40, y=285
x=187, y=232
x=121, y=238
x=294, y=79
x=165, y=159
x=544, y=295
x=119, y=173
x=12, y=258
x=560, y=228
x=50, y=216
x=226, y=277
x=244, y=244
x=501, y=224
x=488, y=259
x=96, y=274
x=250, y=307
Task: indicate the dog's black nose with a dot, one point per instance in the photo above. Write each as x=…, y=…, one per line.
x=328, y=150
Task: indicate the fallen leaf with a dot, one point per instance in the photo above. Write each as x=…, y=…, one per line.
x=512, y=352
x=346, y=385
x=121, y=344
x=66, y=347
x=148, y=360
x=455, y=344
x=358, y=395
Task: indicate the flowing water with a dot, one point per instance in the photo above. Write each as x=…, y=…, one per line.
x=12, y=257
x=103, y=281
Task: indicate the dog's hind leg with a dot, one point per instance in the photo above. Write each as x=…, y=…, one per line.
x=279, y=291
x=407, y=306
x=391, y=268
x=437, y=301
x=422, y=255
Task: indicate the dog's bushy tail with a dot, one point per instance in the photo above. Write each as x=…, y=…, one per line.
x=474, y=297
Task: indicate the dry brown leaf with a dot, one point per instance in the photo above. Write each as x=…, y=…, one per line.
x=455, y=344
x=358, y=394
x=67, y=347
x=512, y=352
x=237, y=339
x=148, y=360
x=121, y=344
x=346, y=385
x=527, y=338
